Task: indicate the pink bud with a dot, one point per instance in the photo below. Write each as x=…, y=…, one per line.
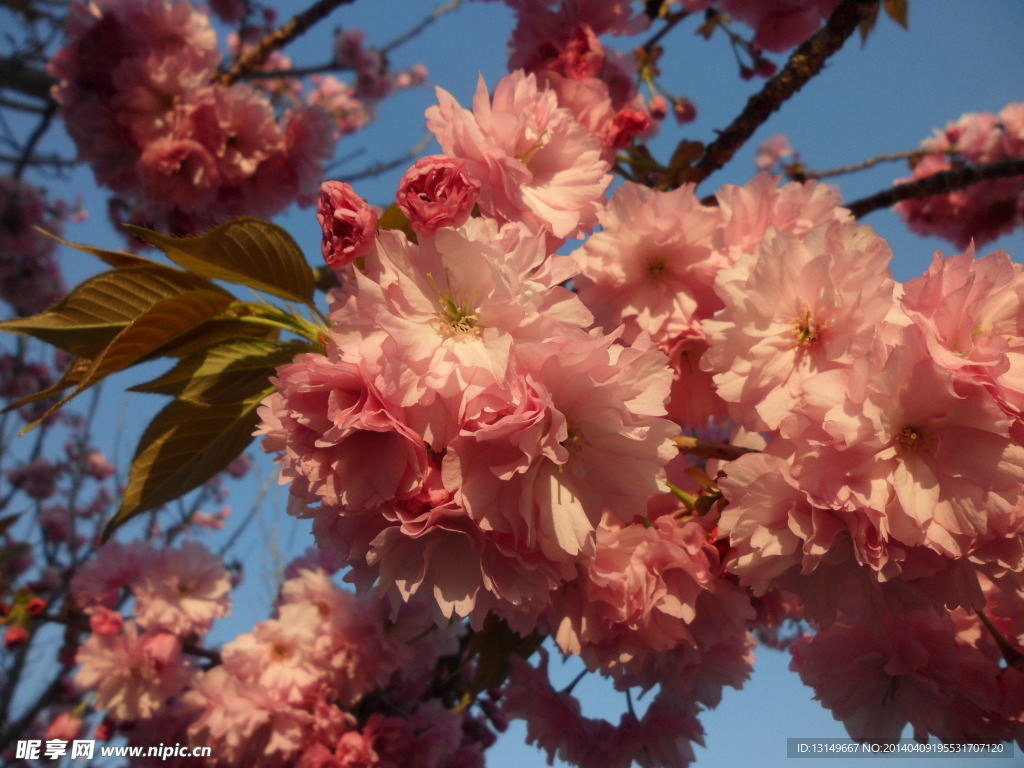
x=65, y=727
x=437, y=192
x=163, y=648
x=684, y=110
x=105, y=622
x=35, y=606
x=16, y=637
x=628, y=123
x=658, y=107
x=349, y=224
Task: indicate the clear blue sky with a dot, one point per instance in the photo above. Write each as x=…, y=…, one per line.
x=884, y=97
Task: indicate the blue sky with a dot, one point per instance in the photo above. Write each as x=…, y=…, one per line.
x=883, y=97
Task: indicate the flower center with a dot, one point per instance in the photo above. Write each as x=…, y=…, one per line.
x=657, y=268
x=807, y=330
x=910, y=438
x=457, y=318
x=573, y=443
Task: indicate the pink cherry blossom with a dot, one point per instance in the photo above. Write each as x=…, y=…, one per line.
x=772, y=151
x=182, y=590
x=437, y=192
x=749, y=211
x=970, y=312
x=349, y=224
x=344, y=442
x=534, y=161
x=799, y=307
x=652, y=266
x=779, y=26
x=982, y=211
x=134, y=673
x=909, y=669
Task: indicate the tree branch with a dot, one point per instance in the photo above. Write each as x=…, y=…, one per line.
x=17, y=76
x=871, y=162
x=422, y=25
x=281, y=37
x=938, y=184
x=805, y=62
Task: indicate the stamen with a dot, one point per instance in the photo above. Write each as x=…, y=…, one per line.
x=910, y=438
x=807, y=330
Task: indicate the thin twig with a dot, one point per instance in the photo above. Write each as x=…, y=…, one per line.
x=938, y=184
x=709, y=450
x=671, y=21
x=37, y=134
x=379, y=168
x=276, y=74
x=805, y=62
x=21, y=106
x=40, y=160
x=871, y=162
x=281, y=37
x=426, y=22
x=25, y=79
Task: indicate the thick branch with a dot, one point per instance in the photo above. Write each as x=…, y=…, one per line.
x=938, y=184
x=281, y=37
x=805, y=62
x=697, y=447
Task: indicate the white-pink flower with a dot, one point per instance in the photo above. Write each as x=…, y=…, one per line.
x=182, y=590
x=534, y=161
x=800, y=306
x=133, y=673
x=971, y=314
x=652, y=265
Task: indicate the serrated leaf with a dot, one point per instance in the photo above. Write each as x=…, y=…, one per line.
x=217, y=331
x=226, y=373
x=246, y=251
x=117, y=259
x=898, y=11
x=183, y=447
x=86, y=320
x=147, y=335
x=72, y=375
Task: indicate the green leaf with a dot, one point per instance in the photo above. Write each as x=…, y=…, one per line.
x=116, y=259
x=246, y=251
x=72, y=375
x=494, y=645
x=183, y=447
x=89, y=318
x=148, y=334
x=898, y=11
x=227, y=372
x=217, y=331
x=394, y=218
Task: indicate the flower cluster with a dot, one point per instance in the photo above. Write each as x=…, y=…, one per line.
x=330, y=680
x=476, y=433
x=30, y=279
x=982, y=211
